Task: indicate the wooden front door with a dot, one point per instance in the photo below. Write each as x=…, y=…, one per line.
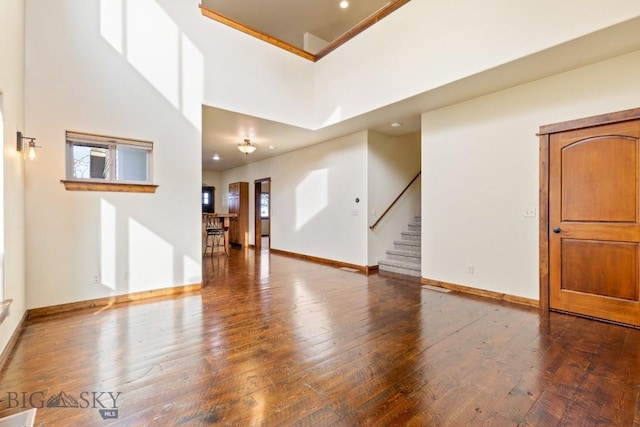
x=594, y=221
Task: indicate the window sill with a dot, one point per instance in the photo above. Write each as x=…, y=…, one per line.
x=108, y=186
x=4, y=309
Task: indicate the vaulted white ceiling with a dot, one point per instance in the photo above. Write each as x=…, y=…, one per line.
x=288, y=20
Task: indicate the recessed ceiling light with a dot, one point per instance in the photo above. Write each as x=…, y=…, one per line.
x=216, y=157
x=272, y=147
x=396, y=124
x=344, y=4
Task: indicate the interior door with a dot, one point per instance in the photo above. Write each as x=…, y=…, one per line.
x=594, y=234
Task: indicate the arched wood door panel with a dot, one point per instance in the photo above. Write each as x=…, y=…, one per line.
x=599, y=179
x=594, y=228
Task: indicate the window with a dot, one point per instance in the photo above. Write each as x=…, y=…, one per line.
x=208, y=199
x=105, y=159
x=264, y=205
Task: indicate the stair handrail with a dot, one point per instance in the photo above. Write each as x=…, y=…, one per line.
x=396, y=200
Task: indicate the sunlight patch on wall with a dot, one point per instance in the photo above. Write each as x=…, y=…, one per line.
x=192, y=82
x=152, y=46
x=312, y=196
x=107, y=244
x=192, y=271
x=150, y=259
x=111, y=23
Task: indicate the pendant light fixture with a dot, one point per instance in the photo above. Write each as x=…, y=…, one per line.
x=247, y=147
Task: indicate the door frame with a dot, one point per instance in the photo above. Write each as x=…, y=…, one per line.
x=257, y=227
x=545, y=136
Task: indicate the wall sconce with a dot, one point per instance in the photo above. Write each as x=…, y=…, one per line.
x=28, y=149
x=247, y=147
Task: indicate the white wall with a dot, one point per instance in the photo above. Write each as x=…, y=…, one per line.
x=428, y=44
x=12, y=250
x=240, y=72
x=392, y=164
x=368, y=165
x=80, y=78
x=138, y=69
x=313, y=192
x=480, y=171
x=245, y=74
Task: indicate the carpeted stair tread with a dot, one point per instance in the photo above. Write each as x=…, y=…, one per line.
x=405, y=256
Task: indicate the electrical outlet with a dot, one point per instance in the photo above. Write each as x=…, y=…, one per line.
x=471, y=268
x=96, y=279
x=530, y=212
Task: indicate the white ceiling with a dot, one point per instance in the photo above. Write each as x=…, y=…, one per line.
x=288, y=20
x=223, y=130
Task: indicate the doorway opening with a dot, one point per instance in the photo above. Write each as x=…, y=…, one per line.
x=262, y=213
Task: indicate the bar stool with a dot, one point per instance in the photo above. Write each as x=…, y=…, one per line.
x=214, y=235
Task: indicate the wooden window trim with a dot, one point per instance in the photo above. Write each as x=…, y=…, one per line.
x=119, y=187
x=112, y=144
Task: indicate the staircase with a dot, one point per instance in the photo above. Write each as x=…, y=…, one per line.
x=405, y=256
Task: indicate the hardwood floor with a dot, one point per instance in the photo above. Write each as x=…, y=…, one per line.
x=273, y=340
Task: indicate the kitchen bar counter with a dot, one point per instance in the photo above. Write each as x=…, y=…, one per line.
x=216, y=220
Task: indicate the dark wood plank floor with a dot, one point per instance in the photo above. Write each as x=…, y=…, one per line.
x=277, y=341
